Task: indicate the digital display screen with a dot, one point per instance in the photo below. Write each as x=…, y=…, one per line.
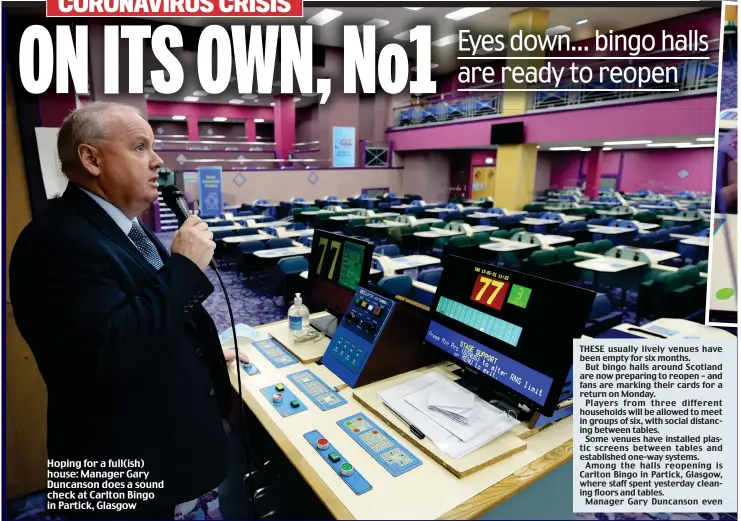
x=511, y=373
x=338, y=264
x=512, y=327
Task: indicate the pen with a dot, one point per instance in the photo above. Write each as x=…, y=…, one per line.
x=418, y=433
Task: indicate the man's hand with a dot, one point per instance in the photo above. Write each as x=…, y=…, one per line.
x=195, y=241
x=230, y=355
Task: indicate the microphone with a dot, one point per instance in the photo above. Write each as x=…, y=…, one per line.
x=175, y=201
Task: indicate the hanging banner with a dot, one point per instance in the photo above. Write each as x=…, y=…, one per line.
x=343, y=147
x=209, y=191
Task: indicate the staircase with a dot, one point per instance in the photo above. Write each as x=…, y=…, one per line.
x=168, y=221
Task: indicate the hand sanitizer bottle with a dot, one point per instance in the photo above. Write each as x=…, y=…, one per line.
x=298, y=316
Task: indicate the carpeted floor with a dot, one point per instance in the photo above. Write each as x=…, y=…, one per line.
x=729, y=85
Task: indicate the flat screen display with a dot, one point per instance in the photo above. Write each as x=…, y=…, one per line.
x=512, y=327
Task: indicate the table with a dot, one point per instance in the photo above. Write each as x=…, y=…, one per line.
x=534, y=221
x=550, y=240
x=609, y=230
x=667, y=328
x=608, y=265
x=282, y=252
x=644, y=227
x=506, y=245
x=434, y=233
x=655, y=256
x=410, y=262
x=292, y=234
x=697, y=241
x=385, y=224
x=680, y=218
x=483, y=215
x=573, y=218
x=239, y=239
x=403, y=497
x=483, y=228
x=427, y=220
x=226, y=228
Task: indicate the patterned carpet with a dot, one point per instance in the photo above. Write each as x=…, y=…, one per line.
x=729, y=86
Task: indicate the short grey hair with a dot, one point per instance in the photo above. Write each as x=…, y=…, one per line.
x=85, y=126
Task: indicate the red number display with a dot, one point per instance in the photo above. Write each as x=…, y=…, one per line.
x=489, y=291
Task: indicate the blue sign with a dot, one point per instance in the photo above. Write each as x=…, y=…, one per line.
x=343, y=147
x=209, y=191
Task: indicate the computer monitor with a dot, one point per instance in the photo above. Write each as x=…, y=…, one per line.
x=338, y=264
x=513, y=332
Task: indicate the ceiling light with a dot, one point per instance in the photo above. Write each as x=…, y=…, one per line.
x=402, y=36
x=272, y=104
x=236, y=101
x=460, y=14
x=200, y=93
x=585, y=149
x=255, y=100
x=559, y=29
x=432, y=66
x=259, y=120
x=146, y=96
x=219, y=118
x=582, y=22
x=659, y=145
x=324, y=16
x=413, y=8
x=637, y=142
x=557, y=149
x=179, y=118
x=489, y=160
x=190, y=98
x=706, y=139
x=296, y=100
x=249, y=96
x=695, y=145
x=447, y=40
x=607, y=149
x=377, y=23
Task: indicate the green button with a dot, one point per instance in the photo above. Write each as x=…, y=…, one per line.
x=346, y=466
x=295, y=403
x=334, y=457
x=357, y=301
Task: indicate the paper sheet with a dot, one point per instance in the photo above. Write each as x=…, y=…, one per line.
x=243, y=330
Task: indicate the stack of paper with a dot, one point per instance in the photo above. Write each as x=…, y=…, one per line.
x=456, y=420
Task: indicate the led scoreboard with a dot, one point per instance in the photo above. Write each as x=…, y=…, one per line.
x=514, y=329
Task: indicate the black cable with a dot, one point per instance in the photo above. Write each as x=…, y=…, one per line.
x=245, y=437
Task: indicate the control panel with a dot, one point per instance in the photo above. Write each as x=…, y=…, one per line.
x=318, y=392
x=344, y=469
x=274, y=352
x=565, y=409
x=251, y=369
x=389, y=453
x=283, y=399
x=357, y=335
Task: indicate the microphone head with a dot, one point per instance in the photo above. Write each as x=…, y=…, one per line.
x=175, y=201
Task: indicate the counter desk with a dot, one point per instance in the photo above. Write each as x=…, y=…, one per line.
x=429, y=491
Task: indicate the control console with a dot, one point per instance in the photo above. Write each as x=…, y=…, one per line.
x=377, y=338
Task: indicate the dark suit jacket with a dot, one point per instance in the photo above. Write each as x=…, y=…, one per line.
x=131, y=360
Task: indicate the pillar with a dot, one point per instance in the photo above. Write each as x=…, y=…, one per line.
x=250, y=130
x=594, y=171
x=284, y=122
x=193, y=133
x=516, y=164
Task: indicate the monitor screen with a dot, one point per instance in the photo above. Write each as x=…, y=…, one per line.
x=514, y=328
x=338, y=264
x=508, y=133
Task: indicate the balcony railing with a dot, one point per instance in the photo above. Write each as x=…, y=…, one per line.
x=694, y=76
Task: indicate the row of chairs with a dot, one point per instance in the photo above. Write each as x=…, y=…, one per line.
x=678, y=294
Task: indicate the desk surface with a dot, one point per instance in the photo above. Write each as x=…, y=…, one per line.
x=403, y=497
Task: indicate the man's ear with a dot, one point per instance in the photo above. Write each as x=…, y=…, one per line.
x=90, y=158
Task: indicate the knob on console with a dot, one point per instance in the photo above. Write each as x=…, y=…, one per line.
x=352, y=317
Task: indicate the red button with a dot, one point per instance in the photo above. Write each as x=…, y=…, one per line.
x=322, y=443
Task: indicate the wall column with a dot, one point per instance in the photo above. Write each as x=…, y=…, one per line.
x=193, y=132
x=250, y=130
x=284, y=122
x=594, y=171
x=515, y=175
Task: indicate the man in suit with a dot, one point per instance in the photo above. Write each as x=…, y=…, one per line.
x=132, y=361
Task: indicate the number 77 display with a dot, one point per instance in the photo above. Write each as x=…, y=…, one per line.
x=489, y=291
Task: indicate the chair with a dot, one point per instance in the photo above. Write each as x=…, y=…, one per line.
x=246, y=262
x=480, y=238
x=601, y=247
x=602, y=317
x=245, y=231
x=388, y=250
x=287, y=279
x=544, y=263
x=430, y=276
x=279, y=243
x=402, y=286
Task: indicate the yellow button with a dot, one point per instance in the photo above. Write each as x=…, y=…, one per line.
x=279, y=387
